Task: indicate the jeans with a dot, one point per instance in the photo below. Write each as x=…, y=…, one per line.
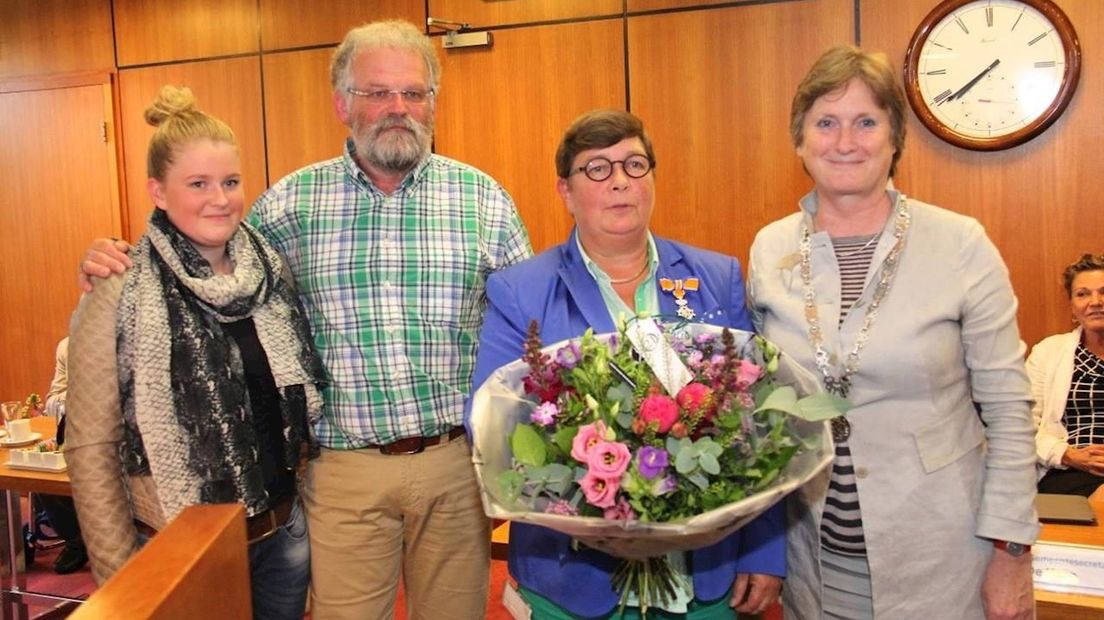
x=280, y=570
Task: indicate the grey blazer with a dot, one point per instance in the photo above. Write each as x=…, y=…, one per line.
x=934, y=483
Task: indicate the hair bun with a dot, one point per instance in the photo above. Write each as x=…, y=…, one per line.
x=172, y=101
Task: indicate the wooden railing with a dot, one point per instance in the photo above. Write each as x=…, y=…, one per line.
x=197, y=567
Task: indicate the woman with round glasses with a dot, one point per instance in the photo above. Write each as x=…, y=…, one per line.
x=612, y=266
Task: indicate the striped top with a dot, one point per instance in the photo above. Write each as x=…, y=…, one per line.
x=841, y=529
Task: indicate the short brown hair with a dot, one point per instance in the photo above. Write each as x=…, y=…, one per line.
x=178, y=122
x=598, y=129
x=1087, y=262
x=832, y=71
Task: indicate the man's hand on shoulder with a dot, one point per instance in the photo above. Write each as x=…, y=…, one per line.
x=103, y=258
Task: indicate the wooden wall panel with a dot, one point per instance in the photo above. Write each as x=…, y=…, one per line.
x=650, y=5
x=1040, y=201
x=149, y=31
x=56, y=193
x=483, y=13
x=299, y=23
x=229, y=89
x=55, y=36
x=300, y=121
x=718, y=113
x=504, y=109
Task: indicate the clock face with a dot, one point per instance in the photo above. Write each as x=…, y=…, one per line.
x=991, y=69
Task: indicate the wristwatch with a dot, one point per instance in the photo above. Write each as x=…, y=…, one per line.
x=1013, y=549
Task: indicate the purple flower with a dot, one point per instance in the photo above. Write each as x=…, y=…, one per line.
x=663, y=486
x=703, y=339
x=651, y=461
x=545, y=414
x=694, y=360
x=569, y=355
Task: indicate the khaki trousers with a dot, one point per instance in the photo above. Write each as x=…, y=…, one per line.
x=374, y=517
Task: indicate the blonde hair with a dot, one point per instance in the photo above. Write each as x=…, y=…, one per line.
x=832, y=71
x=395, y=34
x=178, y=121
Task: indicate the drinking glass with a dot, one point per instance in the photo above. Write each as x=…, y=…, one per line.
x=10, y=410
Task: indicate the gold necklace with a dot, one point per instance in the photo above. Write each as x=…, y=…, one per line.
x=633, y=278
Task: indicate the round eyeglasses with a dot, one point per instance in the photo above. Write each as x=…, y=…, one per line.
x=600, y=168
x=380, y=96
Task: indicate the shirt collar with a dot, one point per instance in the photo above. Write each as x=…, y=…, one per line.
x=355, y=172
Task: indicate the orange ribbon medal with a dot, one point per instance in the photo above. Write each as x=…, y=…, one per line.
x=678, y=288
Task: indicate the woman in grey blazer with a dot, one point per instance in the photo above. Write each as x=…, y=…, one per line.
x=907, y=310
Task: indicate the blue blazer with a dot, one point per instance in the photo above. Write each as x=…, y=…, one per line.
x=556, y=289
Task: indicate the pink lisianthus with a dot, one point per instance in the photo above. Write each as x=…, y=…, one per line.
x=589, y=436
x=747, y=374
x=620, y=512
x=609, y=459
x=696, y=397
x=545, y=414
x=600, y=492
x=661, y=409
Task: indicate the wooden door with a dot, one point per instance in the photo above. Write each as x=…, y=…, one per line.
x=58, y=190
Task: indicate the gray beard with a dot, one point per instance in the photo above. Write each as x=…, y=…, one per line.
x=394, y=151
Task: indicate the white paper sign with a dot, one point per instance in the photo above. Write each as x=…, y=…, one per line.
x=648, y=340
x=1068, y=568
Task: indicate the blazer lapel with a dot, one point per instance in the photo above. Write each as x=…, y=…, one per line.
x=582, y=289
x=673, y=267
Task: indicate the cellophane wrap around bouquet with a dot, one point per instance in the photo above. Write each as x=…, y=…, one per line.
x=582, y=438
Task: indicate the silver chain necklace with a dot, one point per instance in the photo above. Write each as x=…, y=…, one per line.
x=841, y=384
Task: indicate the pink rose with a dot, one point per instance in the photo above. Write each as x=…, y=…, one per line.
x=599, y=492
x=621, y=512
x=660, y=409
x=588, y=436
x=609, y=459
x=747, y=374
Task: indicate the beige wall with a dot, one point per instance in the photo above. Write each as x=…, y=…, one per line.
x=712, y=80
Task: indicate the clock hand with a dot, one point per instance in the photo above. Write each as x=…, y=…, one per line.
x=970, y=84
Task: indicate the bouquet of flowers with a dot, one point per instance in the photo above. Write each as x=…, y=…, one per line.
x=589, y=438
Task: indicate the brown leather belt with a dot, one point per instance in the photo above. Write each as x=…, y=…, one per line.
x=414, y=445
x=264, y=524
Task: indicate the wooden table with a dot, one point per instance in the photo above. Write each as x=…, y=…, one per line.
x=13, y=482
x=1063, y=606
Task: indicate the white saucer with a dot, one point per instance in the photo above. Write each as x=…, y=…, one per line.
x=7, y=442
x=37, y=467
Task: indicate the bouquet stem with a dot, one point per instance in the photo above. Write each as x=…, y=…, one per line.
x=651, y=580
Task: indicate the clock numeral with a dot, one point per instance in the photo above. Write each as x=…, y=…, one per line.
x=1038, y=38
x=941, y=97
x=938, y=44
x=937, y=72
x=1045, y=64
x=962, y=25
x=1017, y=22
x=989, y=16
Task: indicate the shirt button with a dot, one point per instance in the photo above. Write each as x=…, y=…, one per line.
x=387, y=285
x=861, y=472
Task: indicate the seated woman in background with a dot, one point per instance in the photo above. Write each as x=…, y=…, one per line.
x=192, y=378
x=1067, y=382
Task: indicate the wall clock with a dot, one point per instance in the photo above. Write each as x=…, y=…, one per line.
x=992, y=74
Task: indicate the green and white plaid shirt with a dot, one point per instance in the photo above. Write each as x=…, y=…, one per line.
x=393, y=287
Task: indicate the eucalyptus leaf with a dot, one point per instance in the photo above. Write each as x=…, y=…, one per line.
x=511, y=482
x=685, y=462
x=709, y=464
x=699, y=480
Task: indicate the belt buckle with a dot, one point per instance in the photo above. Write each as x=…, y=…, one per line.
x=272, y=527
x=420, y=448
